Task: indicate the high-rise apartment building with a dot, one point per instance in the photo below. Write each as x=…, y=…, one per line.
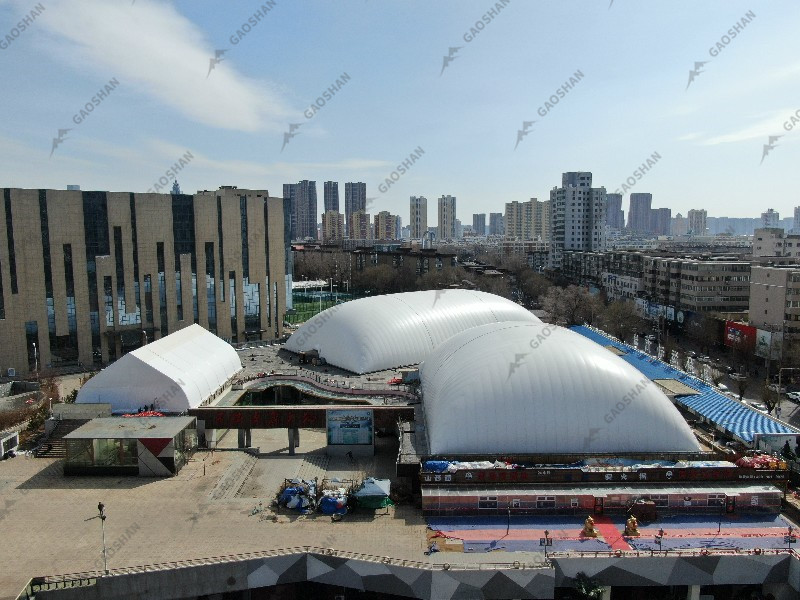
x=680, y=225
x=496, y=224
x=528, y=220
x=771, y=218
x=332, y=226
x=88, y=276
x=577, y=216
x=615, y=216
x=796, y=220
x=479, y=224
x=697, y=221
x=331, y=195
x=303, y=199
x=661, y=221
x=639, y=212
x=360, y=226
x=386, y=226
x=355, y=199
x=418, y=220
x=447, y=218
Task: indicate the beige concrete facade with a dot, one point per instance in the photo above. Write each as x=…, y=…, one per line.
x=775, y=299
x=332, y=226
x=359, y=227
x=87, y=276
x=385, y=226
x=419, y=217
x=772, y=241
x=528, y=220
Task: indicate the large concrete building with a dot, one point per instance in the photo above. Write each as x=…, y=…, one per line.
x=302, y=198
x=360, y=226
x=447, y=218
x=661, y=221
x=775, y=299
x=86, y=276
x=528, y=220
x=680, y=225
x=577, y=216
x=615, y=216
x=479, y=224
x=332, y=226
x=773, y=242
x=639, y=212
x=355, y=199
x=386, y=226
x=697, y=221
x=496, y=224
x=418, y=217
x=331, y=195
x=771, y=218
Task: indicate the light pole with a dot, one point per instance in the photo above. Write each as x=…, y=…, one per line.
x=790, y=539
x=659, y=537
x=102, y=516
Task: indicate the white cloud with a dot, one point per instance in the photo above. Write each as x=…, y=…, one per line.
x=152, y=49
x=770, y=125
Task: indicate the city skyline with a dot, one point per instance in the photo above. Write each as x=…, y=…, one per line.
x=92, y=108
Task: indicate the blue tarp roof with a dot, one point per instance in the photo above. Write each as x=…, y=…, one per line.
x=733, y=416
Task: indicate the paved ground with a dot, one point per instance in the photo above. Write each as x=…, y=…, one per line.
x=205, y=511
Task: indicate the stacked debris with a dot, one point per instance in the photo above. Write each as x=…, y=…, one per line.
x=299, y=495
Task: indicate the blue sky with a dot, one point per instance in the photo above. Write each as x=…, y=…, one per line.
x=633, y=100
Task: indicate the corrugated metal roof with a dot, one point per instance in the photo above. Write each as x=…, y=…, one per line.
x=729, y=489
x=738, y=419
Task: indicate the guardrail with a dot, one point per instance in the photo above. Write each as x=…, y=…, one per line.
x=77, y=580
x=335, y=385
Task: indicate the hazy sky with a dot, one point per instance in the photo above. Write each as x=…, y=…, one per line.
x=631, y=101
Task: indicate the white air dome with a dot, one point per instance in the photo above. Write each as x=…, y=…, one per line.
x=525, y=388
x=395, y=330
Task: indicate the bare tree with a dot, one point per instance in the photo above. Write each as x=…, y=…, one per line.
x=770, y=397
x=741, y=386
x=620, y=319
x=572, y=305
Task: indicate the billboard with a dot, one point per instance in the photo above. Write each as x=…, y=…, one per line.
x=739, y=335
x=766, y=341
x=350, y=427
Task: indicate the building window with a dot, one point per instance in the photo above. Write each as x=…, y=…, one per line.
x=545, y=501
x=487, y=502
x=716, y=499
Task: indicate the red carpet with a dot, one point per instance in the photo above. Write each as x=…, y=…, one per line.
x=611, y=534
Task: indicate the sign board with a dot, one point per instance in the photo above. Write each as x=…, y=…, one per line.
x=766, y=341
x=739, y=335
x=350, y=427
x=546, y=541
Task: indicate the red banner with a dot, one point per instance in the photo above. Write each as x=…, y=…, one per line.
x=739, y=335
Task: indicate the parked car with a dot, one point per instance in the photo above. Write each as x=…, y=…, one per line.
x=793, y=396
x=723, y=387
x=774, y=387
x=758, y=406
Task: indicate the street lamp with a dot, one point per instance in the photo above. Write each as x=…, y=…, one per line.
x=659, y=537
x=546, y=541
x=102, y=516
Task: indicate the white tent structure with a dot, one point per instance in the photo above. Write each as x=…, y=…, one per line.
x=526, y=388
x=175, y=373
x=395, y=330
